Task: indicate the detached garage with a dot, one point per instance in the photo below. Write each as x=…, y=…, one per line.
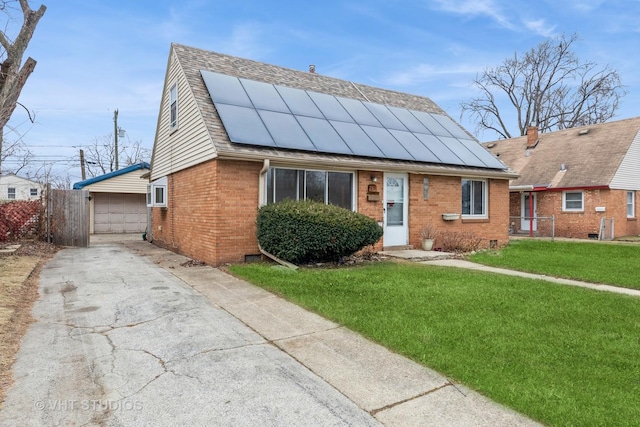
x=118, y=200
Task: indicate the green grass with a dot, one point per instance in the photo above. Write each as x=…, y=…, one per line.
x=613, y=264
x=562, y=355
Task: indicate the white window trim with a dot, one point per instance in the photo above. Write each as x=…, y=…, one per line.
x=633, y=204
x=564, y=201
x=148, y=196
x=485, y=201
x=173, y=124
x=11, y=193
x=159, y=184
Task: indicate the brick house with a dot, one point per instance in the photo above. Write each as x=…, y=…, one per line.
x=579, y=176
x=234, y=134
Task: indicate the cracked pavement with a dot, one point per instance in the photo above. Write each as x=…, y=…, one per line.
x=119, y=341
x=129, y=334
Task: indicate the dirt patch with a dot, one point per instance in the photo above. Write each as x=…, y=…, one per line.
x=18, y=291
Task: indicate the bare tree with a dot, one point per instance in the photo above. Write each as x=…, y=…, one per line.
x=548, y=87
x=100, y=155
x=13, y=73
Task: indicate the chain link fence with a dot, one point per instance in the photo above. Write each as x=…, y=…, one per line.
x=539, y=226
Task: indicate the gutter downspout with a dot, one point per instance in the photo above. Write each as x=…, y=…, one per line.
x=261, y=202
x=261, y=183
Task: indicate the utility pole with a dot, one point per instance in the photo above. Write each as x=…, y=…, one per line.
x=115, y=134
x=84, y=175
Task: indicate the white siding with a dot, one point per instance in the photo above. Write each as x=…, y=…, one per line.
x=23, y=187
x=627, y=177
x=190, y=143
x=128, y=183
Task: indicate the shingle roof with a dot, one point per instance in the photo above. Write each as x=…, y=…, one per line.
x=81, y=184
x=591, y=155
x=193, y=60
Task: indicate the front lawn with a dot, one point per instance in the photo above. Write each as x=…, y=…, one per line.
x=559, y=354
x=596, y=262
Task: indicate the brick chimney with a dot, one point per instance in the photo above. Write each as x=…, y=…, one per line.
x=532, y=136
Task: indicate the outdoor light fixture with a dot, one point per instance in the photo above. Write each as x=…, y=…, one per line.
x=374, y=178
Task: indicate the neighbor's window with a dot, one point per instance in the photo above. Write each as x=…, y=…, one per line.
x=11, y=193
x=631, y=198
x=474, y=198
x=335, y=188
x=573, y=201
x=173, y=106
x=33, y=192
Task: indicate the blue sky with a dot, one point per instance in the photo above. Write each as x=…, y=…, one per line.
x=95, y=56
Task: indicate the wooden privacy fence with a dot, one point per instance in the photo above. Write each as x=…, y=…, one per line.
x=68, y=217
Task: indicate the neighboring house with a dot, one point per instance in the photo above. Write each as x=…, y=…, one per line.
x=579, y=176
x=234, y=134
x=118, y=200
x=13, y=187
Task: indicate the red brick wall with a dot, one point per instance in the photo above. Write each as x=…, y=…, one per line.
x=211, y=212
x=445, y=196
x=581, y=224
x=212, y=208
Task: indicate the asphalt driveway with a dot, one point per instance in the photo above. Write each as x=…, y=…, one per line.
x=128, y=334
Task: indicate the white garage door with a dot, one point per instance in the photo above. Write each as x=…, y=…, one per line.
x=119, y=213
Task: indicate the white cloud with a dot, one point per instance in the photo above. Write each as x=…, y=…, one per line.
x=540, y=27
x=489, y=8
x=424, y=73
x=586, y=5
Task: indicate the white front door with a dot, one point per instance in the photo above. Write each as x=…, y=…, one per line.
x=528, y=216
x=396, y=208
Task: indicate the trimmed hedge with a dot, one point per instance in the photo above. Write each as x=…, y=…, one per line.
x=305, y=231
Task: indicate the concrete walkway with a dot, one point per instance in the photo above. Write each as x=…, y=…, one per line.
x=129, y=334
x=449, y=260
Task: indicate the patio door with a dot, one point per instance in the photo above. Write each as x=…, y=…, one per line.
x=527, y=213
x=396, y=208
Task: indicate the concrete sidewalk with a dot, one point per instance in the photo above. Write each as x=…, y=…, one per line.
x=446, y=259
x=130, y=334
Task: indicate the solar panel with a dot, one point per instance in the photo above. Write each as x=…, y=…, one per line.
x=441, y=151
x=357, y=139
x=430, y=123
x=244, y=124
x=451, y=126
x=387, y=143
x=360, y=114
x=299, y=102
x=482, y=154
x=226, y=89
x=323, y=136
x=330, y=107
x=257, y=113
x=466, y=155
x=286, y=131
x=414, y=146
x=409, y=120
x=385, y=116
x=264, y=96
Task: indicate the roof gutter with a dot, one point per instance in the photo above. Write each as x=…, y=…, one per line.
x=529, y=187
x=336, y=164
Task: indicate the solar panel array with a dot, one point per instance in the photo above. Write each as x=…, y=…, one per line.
x=264, y=114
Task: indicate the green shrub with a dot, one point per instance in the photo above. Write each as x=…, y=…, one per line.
x=304, y=231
